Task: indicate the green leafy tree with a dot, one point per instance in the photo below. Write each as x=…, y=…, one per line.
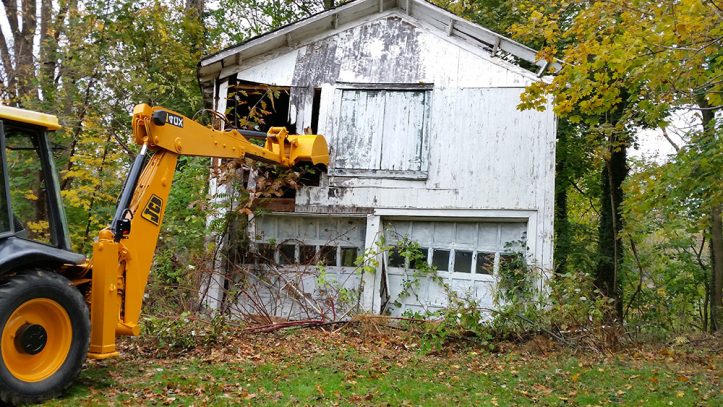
x=628, y=65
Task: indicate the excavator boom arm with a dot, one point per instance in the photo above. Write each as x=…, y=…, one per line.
x=123, y=254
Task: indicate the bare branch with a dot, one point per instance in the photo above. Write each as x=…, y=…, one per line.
x=667, y=137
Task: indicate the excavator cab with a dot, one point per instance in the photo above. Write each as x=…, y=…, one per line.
x=44, y=324
x=33, y=228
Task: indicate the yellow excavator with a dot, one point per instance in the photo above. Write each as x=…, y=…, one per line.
x=58, y=308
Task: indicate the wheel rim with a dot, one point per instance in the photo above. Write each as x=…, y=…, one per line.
x=28, y=355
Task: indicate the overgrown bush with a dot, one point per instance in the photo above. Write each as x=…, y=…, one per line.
x=462, y=319
x=570, y=310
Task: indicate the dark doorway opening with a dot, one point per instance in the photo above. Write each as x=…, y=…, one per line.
x=315, y=105
x=258, y=106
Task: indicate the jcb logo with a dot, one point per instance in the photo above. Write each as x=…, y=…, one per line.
x=152, y=213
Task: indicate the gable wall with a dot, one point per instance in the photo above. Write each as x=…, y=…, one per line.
x=477, y=135
x=482, y=153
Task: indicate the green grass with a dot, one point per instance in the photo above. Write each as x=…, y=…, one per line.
x=315, y=368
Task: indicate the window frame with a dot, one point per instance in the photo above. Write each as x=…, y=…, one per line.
x=423, y=173
x=455, y=246
x=339, y=245
x=60, y=235
x=6, y=185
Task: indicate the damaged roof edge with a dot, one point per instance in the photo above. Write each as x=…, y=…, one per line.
x=210, y=66
x=233, y=49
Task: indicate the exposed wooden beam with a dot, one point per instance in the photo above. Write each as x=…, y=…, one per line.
x=543, y=68
x=496, y=47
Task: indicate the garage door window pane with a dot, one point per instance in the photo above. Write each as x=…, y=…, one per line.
x=512, y=261
x=463, y=262
x=440, y=259
x=327, y=255
x=485, y=263
x=395, y=258
x=287, y=254
x=265, y=253
x=420, y=259
x=348, y=256
x=308, y=255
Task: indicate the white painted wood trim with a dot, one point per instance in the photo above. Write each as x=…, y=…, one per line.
x=493, y=215
x=213, y=288
x=316, y=215
x=321, y=16
x=222, y=97
x=371, y=283
x=435, y=15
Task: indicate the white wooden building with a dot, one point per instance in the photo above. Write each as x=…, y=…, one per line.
x=420, y=110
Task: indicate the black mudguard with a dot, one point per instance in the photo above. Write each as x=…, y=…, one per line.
x=21, y=254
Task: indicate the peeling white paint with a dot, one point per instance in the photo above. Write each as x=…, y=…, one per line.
x=277, y=70
x=449, y=144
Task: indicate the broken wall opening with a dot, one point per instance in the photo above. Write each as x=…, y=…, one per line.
x=258, y=106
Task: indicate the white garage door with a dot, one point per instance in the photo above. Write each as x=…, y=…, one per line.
x=467, y=256
x=304, y=262
x=310, y=240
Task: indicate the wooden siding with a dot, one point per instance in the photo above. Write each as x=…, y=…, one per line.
x=481, y=151
x=381, y=130
x=472, y=156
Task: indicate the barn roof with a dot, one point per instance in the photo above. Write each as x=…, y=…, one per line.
x=289, y=36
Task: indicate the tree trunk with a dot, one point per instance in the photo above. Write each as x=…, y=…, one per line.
x=24, y=64
x=19, y=62
x=716, y=255
x=610, y=248
x=562, y=183
x=51, y=27
x=716, y=232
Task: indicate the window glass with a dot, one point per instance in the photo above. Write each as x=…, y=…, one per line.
x=440, y=259
x=485, y=263
x=307, y=254
x=265, y=252
x=416, y=263
x=512, y=261
x=462, y=261
x=327, y=255
x=28, y=186
x=287, y=254
x=348, y=256
x=395, y=258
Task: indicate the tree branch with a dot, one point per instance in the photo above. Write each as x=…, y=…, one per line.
x=667, y=137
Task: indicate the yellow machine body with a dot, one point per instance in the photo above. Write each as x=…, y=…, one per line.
x=45, y=334
x=47, y=121
x=120, y=268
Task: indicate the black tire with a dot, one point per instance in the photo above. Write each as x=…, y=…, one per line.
x=19, y=290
